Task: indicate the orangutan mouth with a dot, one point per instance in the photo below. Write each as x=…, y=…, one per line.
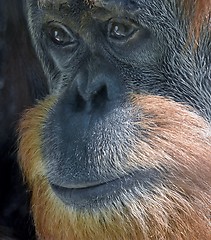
x=98, y=195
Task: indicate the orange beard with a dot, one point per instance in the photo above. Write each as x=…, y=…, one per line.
x=179, y=209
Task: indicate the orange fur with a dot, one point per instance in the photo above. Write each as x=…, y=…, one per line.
x=30, y=143
x=180, y=208
x=199, y=13
x=201, y=8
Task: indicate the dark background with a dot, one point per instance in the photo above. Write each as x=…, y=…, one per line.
x=21, y=83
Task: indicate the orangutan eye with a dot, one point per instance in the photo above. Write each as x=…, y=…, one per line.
x=121, y=30
x=60, y=35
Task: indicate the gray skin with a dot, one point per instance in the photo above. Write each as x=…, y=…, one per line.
x=93, y=72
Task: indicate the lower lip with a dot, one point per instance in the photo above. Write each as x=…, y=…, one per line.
x=99, y=195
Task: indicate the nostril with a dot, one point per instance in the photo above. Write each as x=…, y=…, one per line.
x=88, y=102
x=80, y=102
x=99, y=97
x=87, y=95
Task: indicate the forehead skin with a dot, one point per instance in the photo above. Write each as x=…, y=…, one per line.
x=75, y=7
x=44, y=3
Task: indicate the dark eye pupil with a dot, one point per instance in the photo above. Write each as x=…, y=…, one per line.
x=59, y=36
x=120, y=30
